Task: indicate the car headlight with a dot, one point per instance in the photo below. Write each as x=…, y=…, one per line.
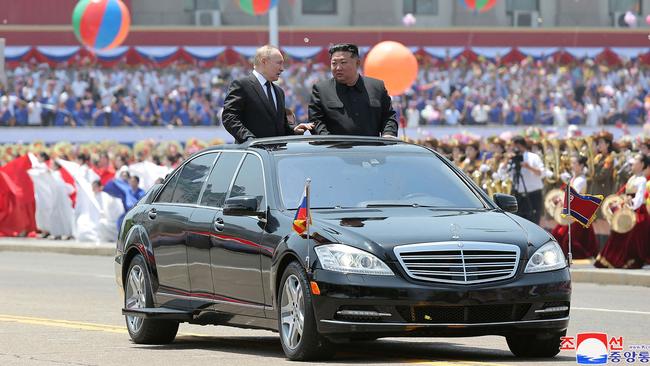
x=346, y=259
x=547, y=258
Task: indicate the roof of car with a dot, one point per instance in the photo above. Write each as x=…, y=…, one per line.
x=308, y=143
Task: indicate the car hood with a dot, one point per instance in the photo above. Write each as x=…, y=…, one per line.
x=397, y=226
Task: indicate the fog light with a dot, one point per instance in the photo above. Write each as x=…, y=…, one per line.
x=361, y=313
x=554, y=309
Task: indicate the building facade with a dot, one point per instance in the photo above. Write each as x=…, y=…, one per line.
x=348, y=13
x=389, y=13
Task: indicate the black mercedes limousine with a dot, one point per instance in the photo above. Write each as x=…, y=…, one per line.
x=402, y=243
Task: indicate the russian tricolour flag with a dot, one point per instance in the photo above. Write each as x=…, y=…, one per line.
x=303, y=215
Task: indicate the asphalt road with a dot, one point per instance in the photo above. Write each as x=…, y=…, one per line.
x=58, y=309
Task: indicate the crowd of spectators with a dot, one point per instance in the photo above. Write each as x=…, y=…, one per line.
x=450, y=93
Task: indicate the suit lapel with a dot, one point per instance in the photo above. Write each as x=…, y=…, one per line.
x=280, y=97
x=260, y=93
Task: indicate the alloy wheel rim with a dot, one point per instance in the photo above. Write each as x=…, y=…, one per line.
x=292, y=312
x=135, y=297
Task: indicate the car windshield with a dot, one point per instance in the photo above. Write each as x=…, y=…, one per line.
x=352, y=179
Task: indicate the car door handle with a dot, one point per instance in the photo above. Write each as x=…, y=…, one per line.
x=153, y=213
x=218, y=224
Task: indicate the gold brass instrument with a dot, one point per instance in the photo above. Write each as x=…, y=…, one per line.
x=564, y=164
x=488, y=187
x=552, y=160
x=506, y=186
x=584, y=147
x=619, y=215
x=553, y=204
x=591, y=157
x=476, y=177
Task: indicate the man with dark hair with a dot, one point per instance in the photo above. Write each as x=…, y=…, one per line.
x=136, y=191
x=254, y=106
x=348, y=103
x=527, y=168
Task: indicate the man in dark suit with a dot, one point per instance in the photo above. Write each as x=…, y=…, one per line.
x=254, y=105
x=348, y=103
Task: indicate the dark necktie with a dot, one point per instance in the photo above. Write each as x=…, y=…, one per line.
x=269, y=94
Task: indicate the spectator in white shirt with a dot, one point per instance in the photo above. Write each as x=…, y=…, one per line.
x=480, y=112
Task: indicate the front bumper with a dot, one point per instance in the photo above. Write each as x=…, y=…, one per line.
x=393, y=306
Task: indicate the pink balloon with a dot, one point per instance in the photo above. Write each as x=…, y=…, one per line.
x=408, y=20
x=630, y=18
x=647, y=20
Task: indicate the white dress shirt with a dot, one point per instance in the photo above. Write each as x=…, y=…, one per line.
x=532, y=181
x=636, y=184
x=263, y=81
x=579, y=183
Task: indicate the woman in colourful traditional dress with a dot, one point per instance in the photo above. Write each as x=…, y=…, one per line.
x=584, y=243
x=627, y=250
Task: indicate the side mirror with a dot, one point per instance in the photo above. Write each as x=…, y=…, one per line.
x=506, y=202
x=240, y=206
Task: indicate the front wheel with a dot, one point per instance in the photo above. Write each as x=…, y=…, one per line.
x=535, y=345
x=298, y=334
x=137, y=296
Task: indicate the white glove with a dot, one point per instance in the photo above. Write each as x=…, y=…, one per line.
x=565, y=176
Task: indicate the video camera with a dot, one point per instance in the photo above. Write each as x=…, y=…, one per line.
x=516, y=160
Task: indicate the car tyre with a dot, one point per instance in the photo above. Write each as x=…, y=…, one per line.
x=137, y=294
x=296, y=322
x=535, y=345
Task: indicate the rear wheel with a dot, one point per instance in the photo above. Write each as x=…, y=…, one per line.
x=535, y=345
x=298, y=334
x=137, y=296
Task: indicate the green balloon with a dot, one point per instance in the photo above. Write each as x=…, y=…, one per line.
x=78, y=12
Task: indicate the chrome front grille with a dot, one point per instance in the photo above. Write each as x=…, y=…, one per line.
x=459, y=262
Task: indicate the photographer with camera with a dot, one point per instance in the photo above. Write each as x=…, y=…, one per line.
x=526, y=169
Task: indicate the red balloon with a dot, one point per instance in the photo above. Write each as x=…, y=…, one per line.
x=393, y=63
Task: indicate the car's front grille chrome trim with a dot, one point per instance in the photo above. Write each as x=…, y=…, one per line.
x=459, y=262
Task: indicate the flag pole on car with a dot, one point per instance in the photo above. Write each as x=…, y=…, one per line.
x=583, y=211
x=302, y=220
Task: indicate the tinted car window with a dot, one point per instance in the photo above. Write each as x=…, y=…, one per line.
x=192, y=177
x=168, y=191
x=362, y=179
x=219, y=179
x=250, y=180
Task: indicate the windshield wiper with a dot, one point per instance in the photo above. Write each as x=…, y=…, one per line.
x=370, y=204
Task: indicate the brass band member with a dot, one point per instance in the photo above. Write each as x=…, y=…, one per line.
x=472, y=158
x=457, y=153
x=623, y=162
x=584, y=243
x=626, y=250
x=498, y=163
x=603, y=174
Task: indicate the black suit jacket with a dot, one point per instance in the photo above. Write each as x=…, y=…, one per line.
x=330, y=115
x=248, y=113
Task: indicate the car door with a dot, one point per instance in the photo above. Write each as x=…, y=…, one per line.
x=235, y=254
x=202, y=230
x=168, y=220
